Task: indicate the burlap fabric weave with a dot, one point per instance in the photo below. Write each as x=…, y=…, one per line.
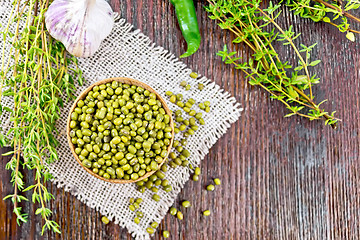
x=129, y=53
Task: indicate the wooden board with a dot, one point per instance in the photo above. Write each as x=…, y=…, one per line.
x=282, y=178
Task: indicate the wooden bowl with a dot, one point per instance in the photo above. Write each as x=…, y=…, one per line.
x=130, y=82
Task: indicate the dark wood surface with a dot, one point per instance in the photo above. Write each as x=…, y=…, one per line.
x=282, y=178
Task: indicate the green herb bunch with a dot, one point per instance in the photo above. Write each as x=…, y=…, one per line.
x=36, y=72
x=292, y=85
x=320, y=10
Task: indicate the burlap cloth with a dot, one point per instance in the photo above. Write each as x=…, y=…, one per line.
x=129, y=53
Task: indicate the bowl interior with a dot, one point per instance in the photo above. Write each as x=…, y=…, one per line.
x=130, y=82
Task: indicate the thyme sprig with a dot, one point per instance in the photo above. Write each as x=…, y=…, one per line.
x=335, y=12
x=35, y=74
x=290, y=85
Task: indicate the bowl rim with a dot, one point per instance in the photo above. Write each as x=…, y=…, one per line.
x=129, y=81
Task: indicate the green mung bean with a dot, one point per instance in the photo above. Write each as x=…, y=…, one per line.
x=194, y=75
x=137, y=220
x=156, y=197
x=173, y=211
x=180, y=104
x=105, y=220
x=210, y=187
x=186, y=204
x=180, y=215
x=217, y=181
x=139, y=214
x=206, y=213
x=150, y=230
x=166, y=234
x=154, y=224
x=195, y=178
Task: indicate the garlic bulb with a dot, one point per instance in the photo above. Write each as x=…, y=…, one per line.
x=80, y=25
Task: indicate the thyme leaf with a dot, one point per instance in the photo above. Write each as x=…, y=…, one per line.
x=335, y=12
x=291, y=85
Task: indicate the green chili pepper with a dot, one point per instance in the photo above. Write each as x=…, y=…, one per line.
x=186, y=15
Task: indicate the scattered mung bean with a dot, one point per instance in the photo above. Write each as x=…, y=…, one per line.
x=210, y=187
x=166, y=234
x=186, y=204
x=173, y=211
x=217, y=181
x=105, y=220
x=194, y=75
x=206, y=213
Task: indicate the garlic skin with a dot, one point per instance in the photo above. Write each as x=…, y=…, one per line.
x=80, y=25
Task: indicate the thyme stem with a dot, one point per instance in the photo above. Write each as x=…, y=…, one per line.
x=345, y=13
x=39, y=74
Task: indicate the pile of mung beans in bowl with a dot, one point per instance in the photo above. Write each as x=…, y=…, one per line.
x=120, y=130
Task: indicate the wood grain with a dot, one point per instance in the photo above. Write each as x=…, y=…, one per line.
x=282, y=178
